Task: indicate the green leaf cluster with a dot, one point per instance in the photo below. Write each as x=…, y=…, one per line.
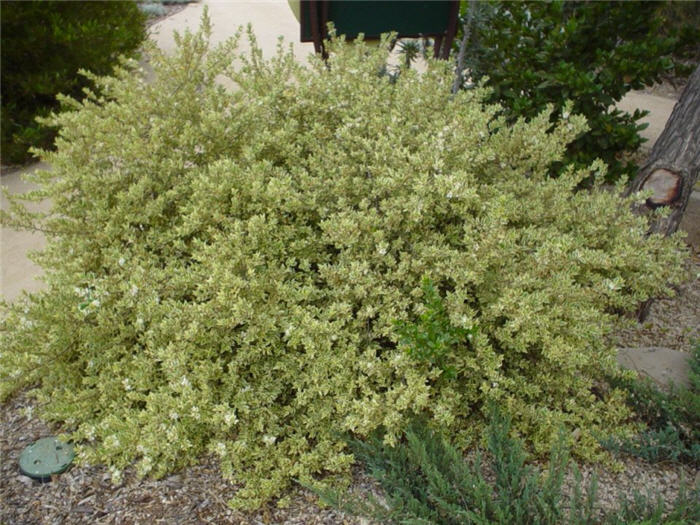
x=432, y=337
x=590, y=53
x=231, y=243
x=44, y=45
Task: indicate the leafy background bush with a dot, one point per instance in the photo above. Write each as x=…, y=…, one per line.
x=225, y=270
x=591, y=53
x=44, y=44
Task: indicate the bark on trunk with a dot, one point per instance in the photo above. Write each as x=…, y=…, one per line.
x=673, y=165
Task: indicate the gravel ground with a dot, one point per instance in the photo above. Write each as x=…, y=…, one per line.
x=673, y=322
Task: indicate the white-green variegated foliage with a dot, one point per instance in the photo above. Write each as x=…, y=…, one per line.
x=225, y=267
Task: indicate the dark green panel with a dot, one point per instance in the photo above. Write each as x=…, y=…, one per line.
x=409, y=18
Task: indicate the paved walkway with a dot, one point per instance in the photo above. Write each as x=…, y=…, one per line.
x=659, y=108
x=270, y=19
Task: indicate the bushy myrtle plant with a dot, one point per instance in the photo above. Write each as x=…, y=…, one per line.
x=225, y=266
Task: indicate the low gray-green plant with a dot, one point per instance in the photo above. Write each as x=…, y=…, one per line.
x=152, y=9
x=425, y=480
x=650, y=509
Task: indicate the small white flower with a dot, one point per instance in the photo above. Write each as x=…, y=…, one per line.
x=612, y=285
x=116, y=475
x=194, y=412
x=269, y=440
x=565, y=115
x=134, y=289
x=112, y=441
x=174, y=415
x=121, y=261
x=230, y=418
x=220, y=449
x=185, y=382
x=127, y=384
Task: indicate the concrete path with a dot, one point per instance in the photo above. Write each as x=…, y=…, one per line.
x=659, y=108
x=270, y=19
x=18, y=273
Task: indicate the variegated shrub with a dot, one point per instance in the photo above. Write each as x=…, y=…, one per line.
x=225, y=267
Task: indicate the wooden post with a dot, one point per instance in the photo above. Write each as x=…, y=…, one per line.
x=673, y=165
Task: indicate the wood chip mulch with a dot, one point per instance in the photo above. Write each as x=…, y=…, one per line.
x=198, y=495
x=85, y=494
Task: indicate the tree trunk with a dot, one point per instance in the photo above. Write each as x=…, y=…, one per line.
x=673, y=165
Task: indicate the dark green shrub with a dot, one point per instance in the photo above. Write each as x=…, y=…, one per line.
x=683, y=19
x=592, y=53
x=44, y=44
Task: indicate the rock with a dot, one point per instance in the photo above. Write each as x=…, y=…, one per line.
x=661, y=365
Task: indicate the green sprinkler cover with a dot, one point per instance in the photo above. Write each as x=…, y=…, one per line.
x=45, y=457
